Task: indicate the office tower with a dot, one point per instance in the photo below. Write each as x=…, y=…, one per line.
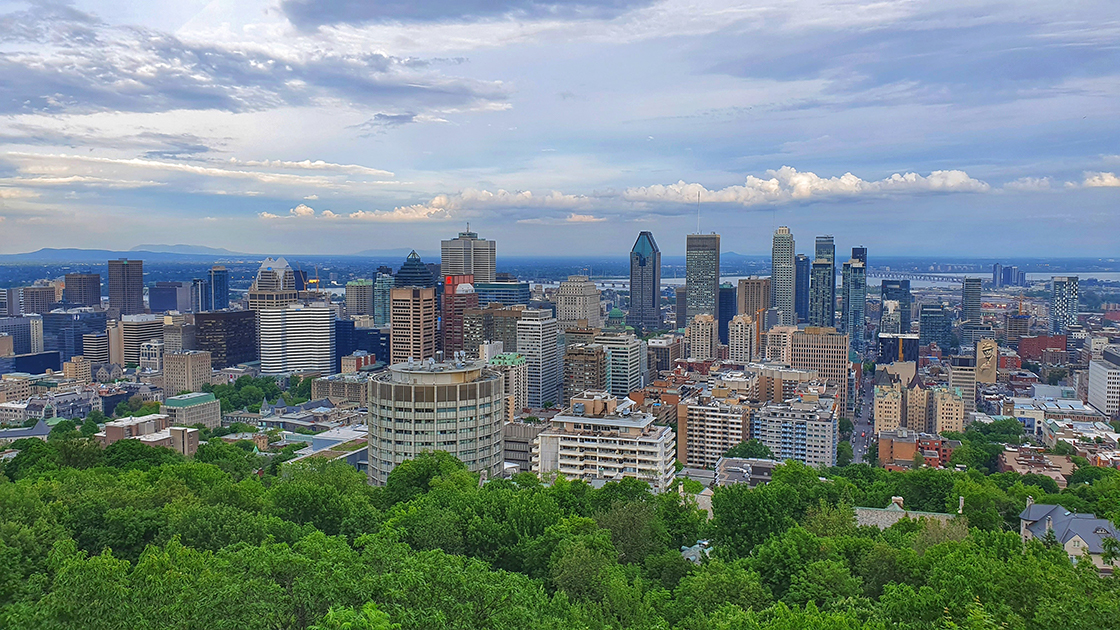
x=34, y=300
x=860, y=254
x=899, y=291
x=346, y=344
x=728, y=304
x=382, y=286
x=412, y=323
x=962, y=380
x=274, y=287
x=627, y=362
x=680, y=309
x=935, y=326
x=186, y=371
x=471, y=398
x=805, y=431
x=95, y=347
x=492, y=323
x=825, y=351
x=1063, y=303
x=126, y=335
x=894, y=348
x=414, y=273
x=217, y=281
x=63, y=330
x=178, y=335
x=703, y=338
x=298, y=337
x=1104, y=382
x=821, y=311
x=803, y=271
x=970, y=301
x=1016, y=326
x=645, y=284
x=585, y=369
x=505, y=292
x=201, y=296
x=458, y=297
x=126, y=286
x=359, y=297
x=741, y=335
x=854, y=298
x=782, y=271
x=997, y=275
x=468, y=255
x=665, y=351
x=753, y=296
x=82, y=289
x=702, y=274
x=603, y=438
x=577, y=300
x=169, y=296
x=890, y=318
x=7, y=346
x=26, y=332
x=151, y=356
x=229, y=336
x=537, y=334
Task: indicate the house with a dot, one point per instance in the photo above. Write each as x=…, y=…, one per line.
x=1076, y=533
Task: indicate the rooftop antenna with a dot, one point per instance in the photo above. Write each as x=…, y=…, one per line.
x=697, y=211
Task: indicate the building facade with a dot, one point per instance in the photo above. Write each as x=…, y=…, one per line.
x=298, y=337
x=577, y=300
x=537, y=337
x=782, y=280
x=702, y=274
x=82, y=289
x=186, y=371
x=806, y=431
x=126, y=286
x=229, y=336
x=645, y=284
x=467, y=254
x=412, y=323
x=1063, y=303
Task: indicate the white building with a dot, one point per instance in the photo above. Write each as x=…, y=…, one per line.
x=578, y=299
x=297, y=337
x=1104, y=382
x=804, y=430
x=603, y=438
x=468, y=254
x=782, y=271
x=151, y=355
x=740, y=339
x=627, y=362
x=709, y=428
x=703, y=337
x=537, y=334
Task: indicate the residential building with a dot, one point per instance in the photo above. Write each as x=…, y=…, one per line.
x=935, y=326
x=537, y=340
x=82, y=289
x=741, y=339
x=515, y=375
x=187, y=410
x=854, y=301
x=421, y=406
x=1078, y=534
x=413, y=323
x=186, y=371
x=577, y=304
x=645, y=284
x=359, y=297
x=702, y=274
x=297, y=337
x=898, y=449
x=1063, y=303
x=627, y=362
x=229, y=336
x=782, y=273
x=709, y=427
x=962, y=377
x=896, y=291
x=458, y=297
x=824, y=351
x=585, y=369
x=822, y=288
x=753, y=296
x=703, y=341
x=804, y=430
x=1104, y=382
x=517, y=443
x=126, y=286
x=970, y=300
x=467, y=254
x=345, y=387
x=602, y=438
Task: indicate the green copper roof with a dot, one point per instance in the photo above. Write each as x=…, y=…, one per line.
x=189, y=400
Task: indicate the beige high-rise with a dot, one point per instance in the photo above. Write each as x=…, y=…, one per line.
x=185, y=371
x=577, y=299
x=412, y=316
x=740, y=338
x=753, y=295
x=703, y=337
x=826, y=351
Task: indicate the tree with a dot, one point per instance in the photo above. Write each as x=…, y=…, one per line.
x=635, y=530
x=752, y=449
x=135, y=455
x=846, y=426
x=368, y=618
x=90, y=427
x=844, y=453
x=414, y=477
x=63, y=430
x=1062, y=448
x=919, y=460
x=745, y=518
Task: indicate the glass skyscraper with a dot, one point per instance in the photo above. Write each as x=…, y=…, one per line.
x=645, y=284
x=782, y=269
x=218, y=288
x=899, y=291
x=1063, y=303
x=822, y=289
x=935, y=325
x=803, y=270
x=702, y=274
x=854, y=297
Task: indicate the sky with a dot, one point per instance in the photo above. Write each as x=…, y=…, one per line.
x=947, y=127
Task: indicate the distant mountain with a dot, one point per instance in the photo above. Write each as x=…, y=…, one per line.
x=75, y=255
x=186, y=249
x=401, y=253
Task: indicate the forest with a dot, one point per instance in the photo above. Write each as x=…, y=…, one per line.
x=137, y=537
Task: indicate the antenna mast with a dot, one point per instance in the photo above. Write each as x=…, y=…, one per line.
x=698, y=212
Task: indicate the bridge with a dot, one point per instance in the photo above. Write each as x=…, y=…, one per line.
x=907, y=275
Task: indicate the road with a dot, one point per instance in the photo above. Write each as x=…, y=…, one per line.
x=863, y=434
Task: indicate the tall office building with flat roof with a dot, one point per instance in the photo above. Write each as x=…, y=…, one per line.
x=1063, y=303
x=970, y=301
x=467, y=254
x=822, y=291
x=126, y=286
x=412, y=323
x=217, y=284
x=297, y=337
x=782, y=271
x=854, y=298
x=82, y=289
x=645, y=284
x=702, y=274
x=898, y=291
x=537, y=334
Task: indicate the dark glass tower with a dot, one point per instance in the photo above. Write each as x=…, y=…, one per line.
x=218, y=281
x=126, y=286
x=414, y=273
x=935, y=325
x=899, y=291
x=728, y=305
x=645, y=284
x=802, y=271
x=822, y=290
x=702, y=274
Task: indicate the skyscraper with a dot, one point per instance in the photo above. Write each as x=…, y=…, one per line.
x=458, y=296
x=782, y=271
x=860, y=254
x=803, y=270
x=855, y=300
x=898, y=291
x=741, y=336
x=1063, y=303
x=414, y=273
x=126, y=286
x=997, y=275
x=468, y=255
x=645, y=284
x=727, y=308
x=359, y=297
x=970, y=301
x=382, y=285
x=201, y=298
x=229, y=336
x=934, y=326
x=680, y=306
x=274, y=287
x=578, y=299
x=536, y=340
x=627, y=362
x=753, y=296
x=82, y=289
x=412, y=323
x=702, y=274
x=822, y=290
x=166, y=296
x=218, y=283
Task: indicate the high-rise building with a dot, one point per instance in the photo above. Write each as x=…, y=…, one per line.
x=414, y=273
x=492, y=323
x=825, y=351
x=151, y=356
x=997, y=275
x=78, y=368
x=515, y=375
x=1104, y=382
x=359, y=297
x=63, y=330
x=627, y=362
x=970, y=301
x=467, y=254
x=898, y=291
x=166, y=296
x=458, y=297
x=854, y=298
x=702, y=274
x=95, y=347
x=753, y=296
x=82, y=289
x=194, y=408
x=274, y=287
x=382, y=300
x=217, y=282
x=585, y=369
x=126, y=286
x=537, y=333
x=741, y=339
x=297, y=337
x=645, y=284
x=413, y=323
x=806, y=431
x=803, y=272
x=821, y=311
x=680, y=307
x=709, y=427
x=201, y=297
x=664, y=352
x=1063, y=303
x=962, y=380
x=186, y=371
x=1016, y=326
x=577, y=300
x=126, y=335
x=935, y=326
x=703, y=338
x=782, y=271
x=229, y=336
x=860, y=254
x=727, y=309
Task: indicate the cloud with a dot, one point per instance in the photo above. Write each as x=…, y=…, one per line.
x=571, y=218
x=1029, y=184
x=315, y=13
x=317, y=165
x=17, y=193
x=311, y=197
x=302, y=210
x=787, y=184
x=154, y=144
x=1101, y=180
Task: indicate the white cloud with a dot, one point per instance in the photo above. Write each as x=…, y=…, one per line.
x=311, y=198
x=268, y=215
x=317, y=165
x=571, y=218
x=302, y=210
x=1101, y=180
x=17, y=193
x=1028, y=184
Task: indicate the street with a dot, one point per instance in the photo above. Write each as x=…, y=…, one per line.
x=862, y=433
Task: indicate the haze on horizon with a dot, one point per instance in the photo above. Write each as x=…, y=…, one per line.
x=561, y=128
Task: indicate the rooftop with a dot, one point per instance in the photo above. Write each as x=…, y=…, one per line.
x=189, y=400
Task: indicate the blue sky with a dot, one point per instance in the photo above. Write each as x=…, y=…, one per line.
x=334, y=126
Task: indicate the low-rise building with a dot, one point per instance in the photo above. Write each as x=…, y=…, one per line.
x=1078, y=534
x=194, y=408
x=754, y=472
x=344, y=387
x=517, y=443
x=893, y=513
x=1026, y=460
x=898, y=449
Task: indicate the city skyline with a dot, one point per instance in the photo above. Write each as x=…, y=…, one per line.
x=554, y=122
